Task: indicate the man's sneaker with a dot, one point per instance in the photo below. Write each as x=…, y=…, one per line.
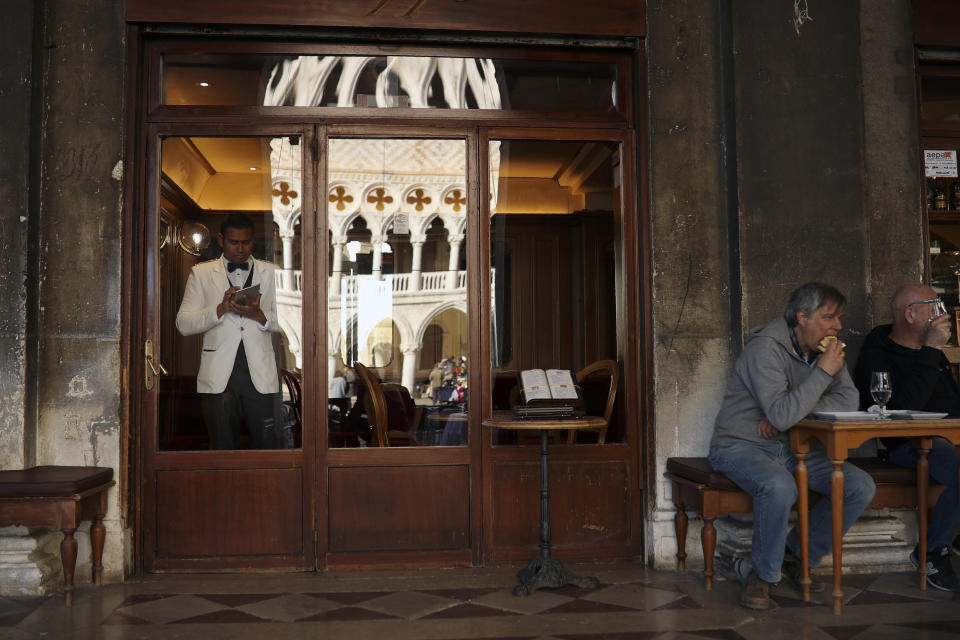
x=756, y=593
x=943, y=578
x=915, y=560
x=955, y=546
x=792, y=570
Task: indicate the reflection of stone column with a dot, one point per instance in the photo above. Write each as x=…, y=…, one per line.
x=377, y=243
x=408, y=377
x=289, y=283
x=416, y=266
x=454, y=261
x=332, y=360
x=337, y=271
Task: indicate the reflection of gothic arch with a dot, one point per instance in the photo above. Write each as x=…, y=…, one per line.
x=404, y=330
x=460, y=306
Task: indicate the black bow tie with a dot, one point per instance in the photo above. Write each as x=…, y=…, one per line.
x=233, y=266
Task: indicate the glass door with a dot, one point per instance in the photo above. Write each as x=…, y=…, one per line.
x=227, y=481
x=399, y=354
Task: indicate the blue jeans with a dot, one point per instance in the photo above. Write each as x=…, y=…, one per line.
x=944, y=465
x=765, y=471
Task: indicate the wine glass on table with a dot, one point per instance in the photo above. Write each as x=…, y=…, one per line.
x=880, y=390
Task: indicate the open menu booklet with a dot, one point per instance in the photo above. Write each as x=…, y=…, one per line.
x=551, y=386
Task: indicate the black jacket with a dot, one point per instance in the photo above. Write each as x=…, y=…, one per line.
x=920, y=378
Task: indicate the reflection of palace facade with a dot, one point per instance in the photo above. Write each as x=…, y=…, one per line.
x=402, y=198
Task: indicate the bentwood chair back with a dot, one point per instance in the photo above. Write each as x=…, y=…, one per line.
x=376, y=407
x=594, y=402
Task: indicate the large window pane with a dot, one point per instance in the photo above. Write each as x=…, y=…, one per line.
x=233, y=375
x=397, y=299
x=389, y=82
x=557, y=285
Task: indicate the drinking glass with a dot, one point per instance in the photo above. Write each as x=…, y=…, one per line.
x=939, y=308
x=880, y=390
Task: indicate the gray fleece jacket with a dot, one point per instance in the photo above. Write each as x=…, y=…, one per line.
x=770, y=379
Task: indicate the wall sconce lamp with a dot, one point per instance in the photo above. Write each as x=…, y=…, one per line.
x=194, y=238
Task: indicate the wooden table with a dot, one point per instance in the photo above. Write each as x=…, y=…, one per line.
x=60, y=497
x=839, y=437
x=544, y=570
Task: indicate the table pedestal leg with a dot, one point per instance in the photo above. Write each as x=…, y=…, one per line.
x=836, y=499
x=803, y=523
x=545, y=571
x=923, y=475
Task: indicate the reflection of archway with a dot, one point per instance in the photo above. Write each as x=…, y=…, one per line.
x=444, y=336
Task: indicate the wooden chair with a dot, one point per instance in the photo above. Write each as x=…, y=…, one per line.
x=375, y=406
x=295, y=403
x=600, y=367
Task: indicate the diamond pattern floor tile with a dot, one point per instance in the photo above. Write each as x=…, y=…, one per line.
x=164, y=610
x=409, y=604
x=528, y=605
x=289, y=607
x=634, y=596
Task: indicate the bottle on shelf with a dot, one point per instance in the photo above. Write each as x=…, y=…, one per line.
x=940, y=198
x=955, y=195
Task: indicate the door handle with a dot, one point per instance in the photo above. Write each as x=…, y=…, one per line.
x=150, y=372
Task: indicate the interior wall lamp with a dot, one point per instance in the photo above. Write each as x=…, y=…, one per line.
x=194, y=238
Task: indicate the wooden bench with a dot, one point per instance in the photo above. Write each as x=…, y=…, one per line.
x=59, y=497
x=698, y=487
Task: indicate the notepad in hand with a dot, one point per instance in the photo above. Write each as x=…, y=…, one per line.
x=246, y=296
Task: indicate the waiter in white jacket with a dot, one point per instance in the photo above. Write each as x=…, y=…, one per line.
x=238, y=377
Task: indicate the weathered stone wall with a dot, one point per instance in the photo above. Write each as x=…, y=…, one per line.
x=688, y=165
x=16, y=69
x=62, y=239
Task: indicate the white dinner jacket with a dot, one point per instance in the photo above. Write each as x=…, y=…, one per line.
x=222, y=336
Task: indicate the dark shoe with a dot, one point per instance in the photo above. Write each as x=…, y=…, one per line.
x=756, y=593
x=792, y=570
x=955, y=546
x=943, y=578
x=915, y=560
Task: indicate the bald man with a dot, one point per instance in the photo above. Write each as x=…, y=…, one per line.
x=921, y=379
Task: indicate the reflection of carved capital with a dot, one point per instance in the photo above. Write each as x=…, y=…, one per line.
x=377, y=240
x=339, y=240
x=417, y=242
x=455, y=238
x=410, y=349
x=287, y=233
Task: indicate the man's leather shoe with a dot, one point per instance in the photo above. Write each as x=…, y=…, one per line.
x=756, y=593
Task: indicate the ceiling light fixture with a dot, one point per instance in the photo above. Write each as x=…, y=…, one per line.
x=204, y=84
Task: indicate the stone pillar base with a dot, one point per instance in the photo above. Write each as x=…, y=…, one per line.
x=875, y=543
x=30, y=561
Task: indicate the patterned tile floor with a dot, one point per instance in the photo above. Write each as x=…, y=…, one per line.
x=633, y=602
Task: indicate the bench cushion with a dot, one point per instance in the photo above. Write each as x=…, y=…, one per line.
x=52, y=480
x=699, y=470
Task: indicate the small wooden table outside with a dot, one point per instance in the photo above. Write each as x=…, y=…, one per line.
x=544, y=570
x=839, y=437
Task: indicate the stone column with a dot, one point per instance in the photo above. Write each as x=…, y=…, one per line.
x=416, y=266
x=408, y=377
x=289, y=282
x=377, y=242
x=452, y=270
x=337, y=273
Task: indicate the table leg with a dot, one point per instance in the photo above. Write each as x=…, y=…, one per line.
x=836, y=499
x=545, y=571
x=68, y=558
x=803, y=523
x=923, y=477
